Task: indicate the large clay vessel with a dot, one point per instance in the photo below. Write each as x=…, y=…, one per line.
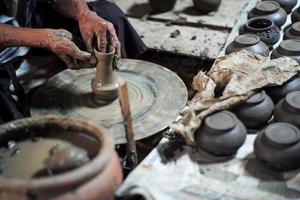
x=292, y=32
x=287, y=5
x=256, y=111
x=105, y=84
x=97, y=179
x=264, y=28
x=221, y=134
x=250, y=43
x=205, y=6
x=290, y=48
x=279, y=92
x=278, y=146
x=288, y=109
x=162, y=6
x=270, y=10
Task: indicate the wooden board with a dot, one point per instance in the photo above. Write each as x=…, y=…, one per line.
x=225, y=17
x=201, y=36
x=192, y=41
x=170, y=172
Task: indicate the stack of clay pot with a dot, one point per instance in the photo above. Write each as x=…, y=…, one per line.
x=278, y=143
x=290, y=46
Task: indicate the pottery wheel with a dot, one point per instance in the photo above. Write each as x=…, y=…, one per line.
x=156, y=95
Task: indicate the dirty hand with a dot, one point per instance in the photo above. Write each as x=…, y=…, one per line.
x=60, y=42
x=91, y=25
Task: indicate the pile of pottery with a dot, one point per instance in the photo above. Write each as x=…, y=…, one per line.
x=202, y=6
x=83, y=165
x=265, y=22
x=278, y=141
x=277, y=144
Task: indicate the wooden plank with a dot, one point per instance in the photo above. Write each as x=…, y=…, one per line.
x=189, y=173
x=225, y=17
x=191, y=41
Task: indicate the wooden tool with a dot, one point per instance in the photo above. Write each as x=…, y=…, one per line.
x=125, y=109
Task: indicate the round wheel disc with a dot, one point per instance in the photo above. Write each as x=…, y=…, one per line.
x=156, y=96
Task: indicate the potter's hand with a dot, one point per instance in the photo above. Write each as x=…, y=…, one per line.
x=91, y=25
x=60, y=42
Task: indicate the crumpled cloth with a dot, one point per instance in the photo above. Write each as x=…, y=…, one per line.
x=237, y=77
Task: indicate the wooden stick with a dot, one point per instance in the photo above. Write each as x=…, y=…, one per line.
x=125, y=108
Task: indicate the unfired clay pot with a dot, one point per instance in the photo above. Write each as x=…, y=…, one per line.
x=288, y=109
x=287, y=5
x=162, y=6
x=296, y=15
x=205, y=6
x=279, y=92
x=97, y=179
x=249, y=42
x=256, y=111
x=105, y=84
x=270, y=10
x=264, y=28
x=221, y=134
x=290, y=48
x=278, y=146
x=292, y=32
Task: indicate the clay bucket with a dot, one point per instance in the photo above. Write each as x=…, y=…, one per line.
x=97, y=179
x=105, y=84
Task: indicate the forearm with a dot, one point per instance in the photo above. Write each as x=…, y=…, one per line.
x=71, y=8
x=15, y=36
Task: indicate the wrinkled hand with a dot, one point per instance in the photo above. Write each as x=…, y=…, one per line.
x=60, y=42
x=91, y=25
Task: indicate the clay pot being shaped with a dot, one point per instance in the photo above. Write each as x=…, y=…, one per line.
x=290, y=48
x=270, y=10
x=264, y=28
x=162, y=6
x=97, y=179
x=278, y=146
x=105, y=84
x=256, y=111
x=292, y=32
x=288, y=109
x=221, y=134
x=287, y=5
x=205, y=6
x=295, y=17
x=249, y=42
x=279, y=92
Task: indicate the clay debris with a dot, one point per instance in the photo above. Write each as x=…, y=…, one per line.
x=231, y=80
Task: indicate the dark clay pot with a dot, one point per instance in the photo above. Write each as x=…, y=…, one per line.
x=287, y=5
x=288, y=109
x=256, y=111
x=205, y=6
x=292, y=32
x=296, y=15
x=249, y=42
x=162, y=6
x=270, y=10
x=290, y=48
x=278, y=146
x=279, y=92
x=264, y=28
x=221, y=134
x=97, y=179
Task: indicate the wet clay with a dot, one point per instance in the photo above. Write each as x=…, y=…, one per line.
x=105, y=84
x=26, y=159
